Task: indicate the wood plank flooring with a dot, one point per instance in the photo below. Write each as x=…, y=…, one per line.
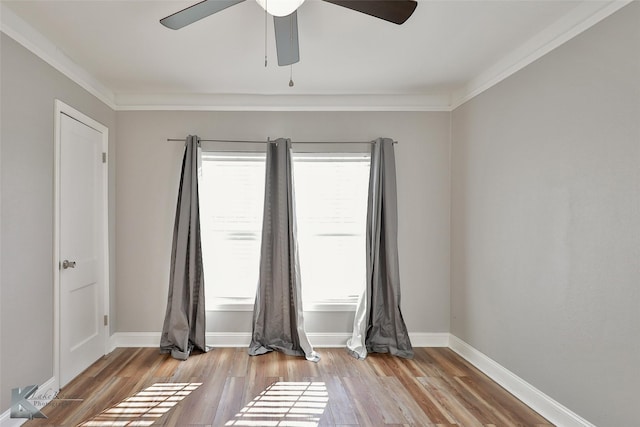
x=226, y=387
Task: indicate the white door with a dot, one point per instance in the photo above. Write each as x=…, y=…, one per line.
x=81, y=252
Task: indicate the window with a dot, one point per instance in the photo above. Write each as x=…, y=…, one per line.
x=331, y=209
x=331, y=203
x=231, y=203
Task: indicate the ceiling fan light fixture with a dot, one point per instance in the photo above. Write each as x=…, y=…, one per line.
x=280, y=7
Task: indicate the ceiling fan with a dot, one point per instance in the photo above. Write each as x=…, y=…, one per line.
x=285, y=18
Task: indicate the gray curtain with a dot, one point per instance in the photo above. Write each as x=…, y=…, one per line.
x=278, y=323
x=378, y=326
x=184, y=322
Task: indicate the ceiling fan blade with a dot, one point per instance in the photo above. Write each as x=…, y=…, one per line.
x=196, y=12
x=396, y=11
x=286, y=28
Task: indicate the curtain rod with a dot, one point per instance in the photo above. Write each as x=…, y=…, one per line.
x=268, y=141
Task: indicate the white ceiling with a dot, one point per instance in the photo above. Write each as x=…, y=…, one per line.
x=445, y=53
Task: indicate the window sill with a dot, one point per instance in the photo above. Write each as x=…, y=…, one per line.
x=246, y=304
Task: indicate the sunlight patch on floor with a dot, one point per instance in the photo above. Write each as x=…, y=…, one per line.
x=143, y=408
x=285, y=404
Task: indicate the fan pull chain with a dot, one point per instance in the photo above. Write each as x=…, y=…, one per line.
x=291, y=44
x=265, y=33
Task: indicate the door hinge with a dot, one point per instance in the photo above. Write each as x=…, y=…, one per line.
x=104, y=157
x=106, y=320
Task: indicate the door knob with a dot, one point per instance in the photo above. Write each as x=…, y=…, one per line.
x=68, y=264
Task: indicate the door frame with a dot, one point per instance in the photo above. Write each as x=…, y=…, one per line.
x=61, y=108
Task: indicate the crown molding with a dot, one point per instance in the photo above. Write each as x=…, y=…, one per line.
x=256, y=102
x=14, y=27
x=583, y=17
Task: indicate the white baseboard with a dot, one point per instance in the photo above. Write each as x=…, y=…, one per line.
x=7, y=421
x=534, y=398
x=228, y=339
x=242, y=339
x=429, y=339
x=134, y=339
x=47, y=391
x=152, y=339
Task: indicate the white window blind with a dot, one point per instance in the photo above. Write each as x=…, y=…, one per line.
x=331, y=202
x=231, y=203
x=331, y=207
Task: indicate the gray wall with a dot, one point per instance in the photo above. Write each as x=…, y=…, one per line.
x=546, y=222
x=148, y=177
x=28, y=89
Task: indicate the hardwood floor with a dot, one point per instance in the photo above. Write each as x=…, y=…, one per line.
x=139, y=386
